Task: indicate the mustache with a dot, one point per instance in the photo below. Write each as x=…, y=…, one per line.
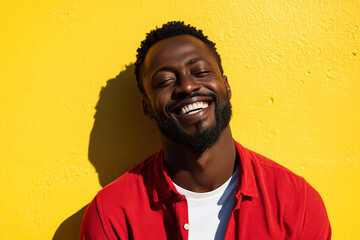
x=171, y=106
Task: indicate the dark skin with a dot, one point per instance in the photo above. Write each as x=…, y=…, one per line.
x=176, y=67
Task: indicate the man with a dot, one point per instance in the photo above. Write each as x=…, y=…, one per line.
x=202, y=184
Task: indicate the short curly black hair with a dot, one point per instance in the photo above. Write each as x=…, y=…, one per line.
x=170, y=29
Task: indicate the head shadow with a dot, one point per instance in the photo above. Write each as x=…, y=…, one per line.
x=120, y=138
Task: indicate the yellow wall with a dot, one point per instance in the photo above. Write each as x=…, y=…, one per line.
x=294, y=68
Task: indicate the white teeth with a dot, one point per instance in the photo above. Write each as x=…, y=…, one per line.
x=193, y=108
x=193, y=112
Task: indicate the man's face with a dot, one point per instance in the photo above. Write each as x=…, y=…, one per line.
x=186, y=93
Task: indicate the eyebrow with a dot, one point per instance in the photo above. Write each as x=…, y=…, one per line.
x=195, y=60
x=166, y=68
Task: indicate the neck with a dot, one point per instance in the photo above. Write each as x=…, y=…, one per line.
x=205, y=171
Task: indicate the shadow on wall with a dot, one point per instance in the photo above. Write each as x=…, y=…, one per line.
x=120, y=138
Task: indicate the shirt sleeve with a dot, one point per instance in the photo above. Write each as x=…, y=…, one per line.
x=91, y=226
x=316, y=222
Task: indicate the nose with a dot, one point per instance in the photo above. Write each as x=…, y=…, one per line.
x=185, y=85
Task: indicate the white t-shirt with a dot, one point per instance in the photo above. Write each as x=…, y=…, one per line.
x=209, y=212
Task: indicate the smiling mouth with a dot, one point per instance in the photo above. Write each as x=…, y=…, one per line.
x=193, y=108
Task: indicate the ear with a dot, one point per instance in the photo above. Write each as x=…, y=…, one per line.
x=146, y=107
x=228, y=88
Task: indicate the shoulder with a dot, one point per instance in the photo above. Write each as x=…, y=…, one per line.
x=280, y=181
x=133, y=181
x=274, y=182
x=127, y=195
x=289, y=195
x=266, y=164
x=269, y=172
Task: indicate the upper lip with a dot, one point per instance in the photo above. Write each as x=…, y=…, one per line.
x=175, y=108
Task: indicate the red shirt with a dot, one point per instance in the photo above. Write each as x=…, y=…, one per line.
x=271, y=202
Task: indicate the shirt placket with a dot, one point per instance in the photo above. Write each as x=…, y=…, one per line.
x=181, y=209
x=231, y=229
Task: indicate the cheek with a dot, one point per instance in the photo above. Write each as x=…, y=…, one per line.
x=218, y=87
x=160, y=102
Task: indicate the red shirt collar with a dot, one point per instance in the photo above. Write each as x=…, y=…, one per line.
x=163, y=188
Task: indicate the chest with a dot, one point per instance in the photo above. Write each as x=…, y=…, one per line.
x=249, y=219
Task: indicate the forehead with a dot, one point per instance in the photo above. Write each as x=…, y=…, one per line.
x=176, y=51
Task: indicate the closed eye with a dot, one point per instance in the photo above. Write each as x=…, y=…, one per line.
x=164, y=82
x=202, y=73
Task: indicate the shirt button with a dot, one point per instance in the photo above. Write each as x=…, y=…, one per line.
x=186, y=226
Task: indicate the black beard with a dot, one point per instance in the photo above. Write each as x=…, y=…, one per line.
x=204, y=138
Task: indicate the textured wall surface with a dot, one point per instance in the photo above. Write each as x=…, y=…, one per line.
x=71, y=120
